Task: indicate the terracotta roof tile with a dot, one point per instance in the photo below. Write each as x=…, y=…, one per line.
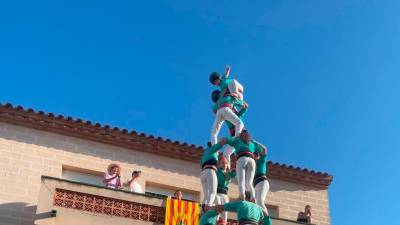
x=148, y=143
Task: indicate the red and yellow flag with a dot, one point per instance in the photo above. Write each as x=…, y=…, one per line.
x=181, y=212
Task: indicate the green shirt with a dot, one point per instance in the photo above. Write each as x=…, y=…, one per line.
x=211, y=153
x=225, y=82
x=224, y=181
x=241, y=146
x=261, y=165
x=210, y=217
x=227, y=99
x=267, y=220
x=245, y=210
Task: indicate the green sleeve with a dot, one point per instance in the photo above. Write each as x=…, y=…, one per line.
x=242, y=111
x=224, y=83
x=257, y=148
x=215, y=108
x=263, y=158
x=231, y=206
x=232, y=174
x=211, y=213
x=229, y=124
x=215, y=148
x=231, y=141
x=208, y=217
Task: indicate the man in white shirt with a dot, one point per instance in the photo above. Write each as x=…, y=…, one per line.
x=133, y=183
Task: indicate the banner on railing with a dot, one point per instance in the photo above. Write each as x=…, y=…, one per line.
x=181, y=212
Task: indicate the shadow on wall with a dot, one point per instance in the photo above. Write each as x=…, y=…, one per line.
x=13, y=213
x=21, y=213
x=96, y=149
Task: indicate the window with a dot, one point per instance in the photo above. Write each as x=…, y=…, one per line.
x=165, y=190
x=82, y=175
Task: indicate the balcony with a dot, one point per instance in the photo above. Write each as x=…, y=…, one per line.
x=64, y=202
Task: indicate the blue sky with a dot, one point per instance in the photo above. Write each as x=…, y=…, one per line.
x=321, y=78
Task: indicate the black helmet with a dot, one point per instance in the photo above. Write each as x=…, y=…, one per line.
x=214, y=76
x=215, y=95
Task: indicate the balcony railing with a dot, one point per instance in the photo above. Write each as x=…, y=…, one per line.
x=63, y=202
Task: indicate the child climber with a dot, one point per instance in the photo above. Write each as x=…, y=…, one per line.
x=228, y=86
x=224, y=109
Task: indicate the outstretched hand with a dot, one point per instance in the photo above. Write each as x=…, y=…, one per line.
x=264, y=151
x=227, y=70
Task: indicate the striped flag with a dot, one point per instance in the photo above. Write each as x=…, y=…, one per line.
x=181, y=212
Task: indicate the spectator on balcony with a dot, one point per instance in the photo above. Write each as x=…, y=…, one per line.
x=132, y=184
x=178, y=195
x=112, y=178
x=305, y=217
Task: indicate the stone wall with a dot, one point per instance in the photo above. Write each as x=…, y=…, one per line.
x=27, y=154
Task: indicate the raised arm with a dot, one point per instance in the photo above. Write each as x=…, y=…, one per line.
x=106, y=180
x=128, y=183
x=260, y=148
x=218, y=146
x=226, y=75
x=227, y=71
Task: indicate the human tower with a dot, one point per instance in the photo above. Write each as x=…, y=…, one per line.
x=251, y=166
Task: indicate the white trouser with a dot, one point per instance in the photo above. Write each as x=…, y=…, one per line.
x=223, y=114
x=245, y=169
x=221, y=199
x=261, y=189
x=229, y=150
x=209, y=182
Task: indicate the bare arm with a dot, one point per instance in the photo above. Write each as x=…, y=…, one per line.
x=308, y=217
x=217, y=208
x=227, y=71
x=265, y=150
x=110, y=179
x=243, y=110
x=226, y=75
x=128, y=183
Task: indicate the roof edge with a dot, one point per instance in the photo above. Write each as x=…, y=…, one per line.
x=79, y=128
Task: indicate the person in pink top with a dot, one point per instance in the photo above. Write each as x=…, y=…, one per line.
x=112, y=178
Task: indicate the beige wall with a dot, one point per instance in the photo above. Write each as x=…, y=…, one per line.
x=68, y=216
x=26, y=154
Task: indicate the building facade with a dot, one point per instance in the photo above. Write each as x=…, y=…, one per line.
x=42, y=154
